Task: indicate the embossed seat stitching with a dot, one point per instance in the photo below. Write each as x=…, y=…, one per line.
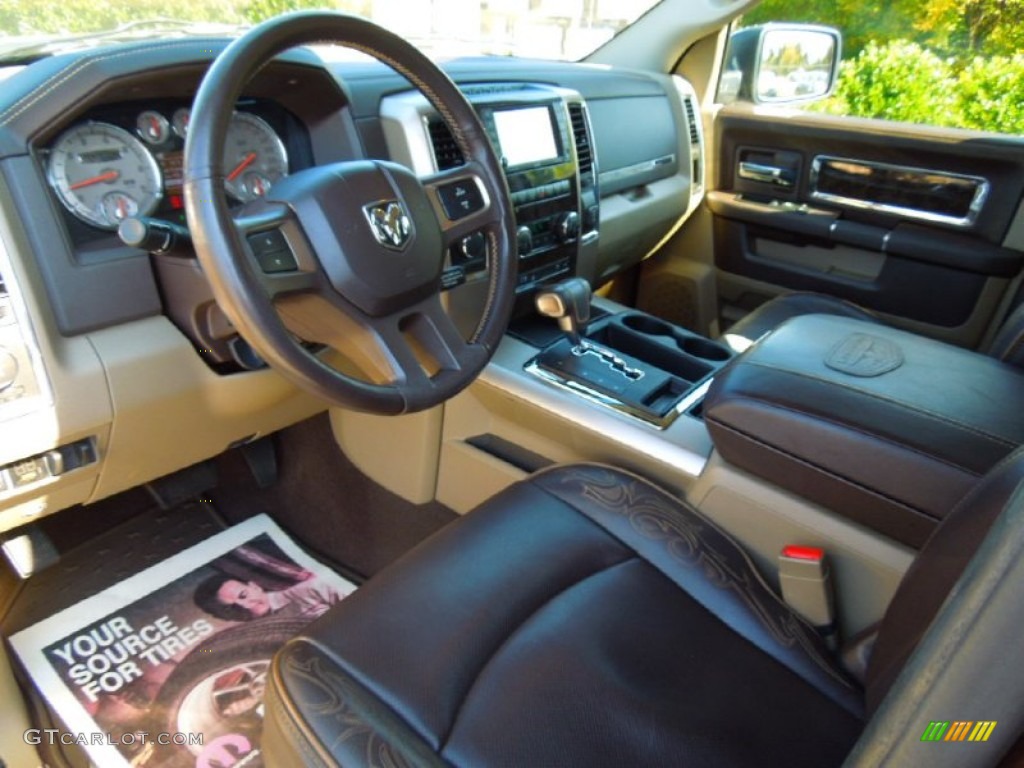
x=360, y=680
x=941, y=418
x=298, y=734
x=676, y=508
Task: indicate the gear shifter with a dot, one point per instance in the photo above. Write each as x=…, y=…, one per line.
x=569, y=302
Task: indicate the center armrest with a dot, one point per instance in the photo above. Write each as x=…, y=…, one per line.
x=885, y=427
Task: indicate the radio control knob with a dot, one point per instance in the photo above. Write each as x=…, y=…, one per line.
x=524, y=241
x=567, y=226
x=8, y=369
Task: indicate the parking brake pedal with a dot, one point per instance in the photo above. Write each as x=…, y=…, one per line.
x=261, y=459
x=188, y=484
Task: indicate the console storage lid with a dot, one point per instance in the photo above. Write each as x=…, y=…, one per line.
x=881, y=426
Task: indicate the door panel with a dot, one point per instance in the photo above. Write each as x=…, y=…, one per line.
x=906, y=220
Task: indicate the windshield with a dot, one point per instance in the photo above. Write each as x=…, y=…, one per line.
x=549, y=29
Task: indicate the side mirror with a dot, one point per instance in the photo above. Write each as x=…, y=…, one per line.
x=780, y=64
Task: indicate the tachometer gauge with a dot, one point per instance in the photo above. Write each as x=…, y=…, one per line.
x=180, y=120
x=152, y=127
x=102, y=173
x=254, y=157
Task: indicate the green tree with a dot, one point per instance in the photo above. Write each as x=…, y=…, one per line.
x=860, y=21
x=23, y=17
x=259, y=10
x=966, y=28
x=899, y=81
x=990, y=94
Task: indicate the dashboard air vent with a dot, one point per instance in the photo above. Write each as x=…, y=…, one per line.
x=446, y=151
x=691, y=119
x=584, y=151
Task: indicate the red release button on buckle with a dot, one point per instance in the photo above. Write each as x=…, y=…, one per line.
x=797, y=552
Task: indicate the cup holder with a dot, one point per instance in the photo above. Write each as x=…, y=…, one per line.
x=649, y=325
x=708, y=350
x=691, y=345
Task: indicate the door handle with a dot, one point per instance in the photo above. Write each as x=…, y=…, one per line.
x=768, y=174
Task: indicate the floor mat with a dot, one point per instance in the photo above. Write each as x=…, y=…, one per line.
x=165, y=665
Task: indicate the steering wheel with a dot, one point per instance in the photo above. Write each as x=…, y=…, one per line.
x=350, y=254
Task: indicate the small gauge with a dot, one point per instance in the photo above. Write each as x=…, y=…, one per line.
x=256, y=185
x=152, y=127
x=118, y=206
x=97, y=168
x=254, y=157
x=180, y=120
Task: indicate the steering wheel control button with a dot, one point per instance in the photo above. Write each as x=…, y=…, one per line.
x=272, y=252
x=452, y=278
x=460, y=198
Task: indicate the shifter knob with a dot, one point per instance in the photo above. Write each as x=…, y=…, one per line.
x=569, y=302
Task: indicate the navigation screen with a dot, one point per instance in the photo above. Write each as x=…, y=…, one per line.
x=525, y=135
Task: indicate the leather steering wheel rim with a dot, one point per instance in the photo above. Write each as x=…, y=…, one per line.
x=383, y=327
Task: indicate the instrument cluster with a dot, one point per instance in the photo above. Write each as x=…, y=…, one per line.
x=129, y=162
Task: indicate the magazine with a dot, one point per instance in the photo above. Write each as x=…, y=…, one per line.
x=168, y=667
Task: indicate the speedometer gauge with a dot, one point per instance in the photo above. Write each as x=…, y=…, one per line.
x=102, y=173
x=254, y=157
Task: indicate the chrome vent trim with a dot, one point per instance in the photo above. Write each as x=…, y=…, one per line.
x=691, y=119
x=581, y=136
x=695, y=131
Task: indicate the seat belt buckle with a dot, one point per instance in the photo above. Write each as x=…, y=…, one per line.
x=806, y=582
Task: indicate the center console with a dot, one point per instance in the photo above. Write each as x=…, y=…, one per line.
x=884, y=427
x=630, y=362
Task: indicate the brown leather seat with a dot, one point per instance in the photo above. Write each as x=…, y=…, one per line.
x=1008, y=344
x=585, y=617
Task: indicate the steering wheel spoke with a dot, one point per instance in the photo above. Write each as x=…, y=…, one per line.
x=280, y=255
x=425, y=348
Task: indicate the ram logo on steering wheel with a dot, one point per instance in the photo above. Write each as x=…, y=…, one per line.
x=390, y=223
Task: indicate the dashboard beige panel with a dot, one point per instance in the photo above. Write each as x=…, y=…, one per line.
x=73, y=402
x=398, y=452
x=171, y=411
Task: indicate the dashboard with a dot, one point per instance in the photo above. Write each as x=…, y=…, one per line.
x=117, y=367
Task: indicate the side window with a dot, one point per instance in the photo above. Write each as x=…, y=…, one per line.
x=946, y=63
